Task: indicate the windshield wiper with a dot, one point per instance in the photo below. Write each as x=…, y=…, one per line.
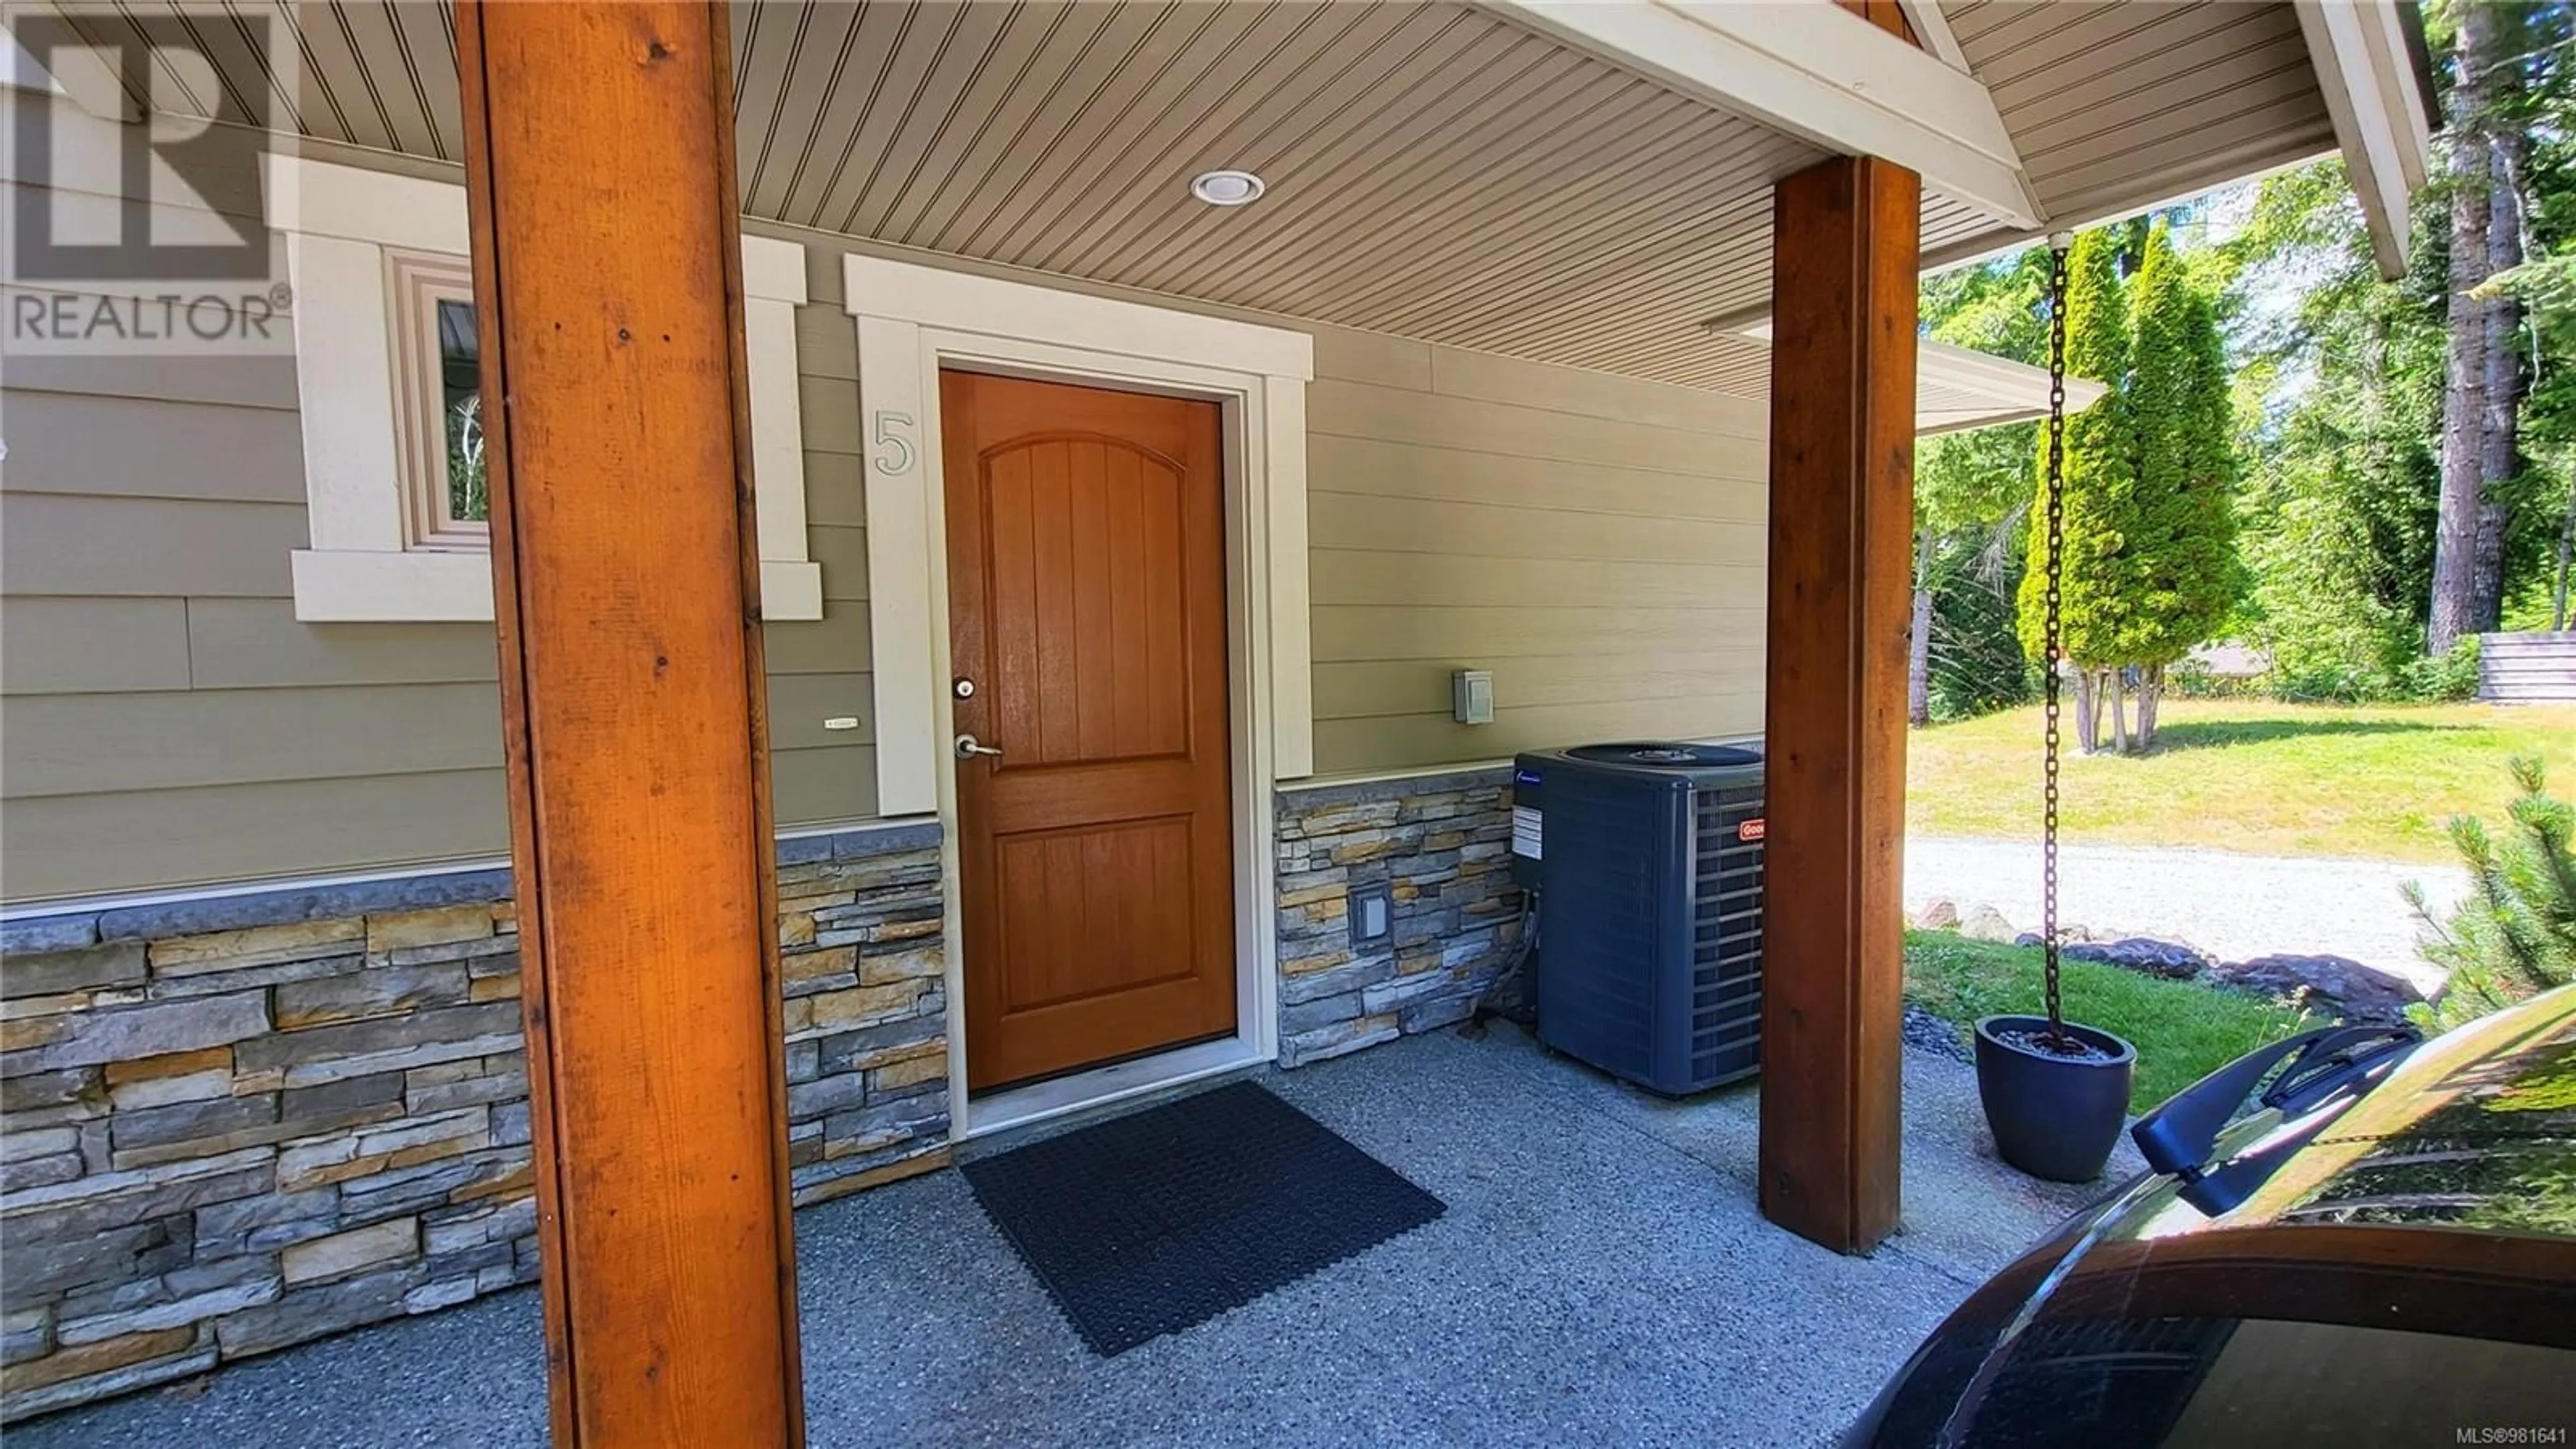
x=2313, y=1068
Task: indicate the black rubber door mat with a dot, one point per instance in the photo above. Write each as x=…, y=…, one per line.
x=1149, y=1223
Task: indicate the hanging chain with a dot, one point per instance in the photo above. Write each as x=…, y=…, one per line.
x=2053, y=647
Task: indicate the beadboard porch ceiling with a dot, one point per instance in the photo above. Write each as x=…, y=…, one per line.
x=1437, y=171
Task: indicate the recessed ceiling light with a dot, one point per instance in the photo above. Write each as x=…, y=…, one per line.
x=1227, y=188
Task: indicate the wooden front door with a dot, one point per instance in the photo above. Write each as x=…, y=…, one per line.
x=1086, y=605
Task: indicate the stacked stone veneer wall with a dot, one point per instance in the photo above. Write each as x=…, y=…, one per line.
x=1441, y=843
x=233, y=1124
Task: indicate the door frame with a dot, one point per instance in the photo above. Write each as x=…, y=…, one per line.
x=912, y=322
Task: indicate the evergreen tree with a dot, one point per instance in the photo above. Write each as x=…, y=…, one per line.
x=2343, y=400
x=2099, y=471
x=2177, y=563
x=2515, y=935
x=1970, y=491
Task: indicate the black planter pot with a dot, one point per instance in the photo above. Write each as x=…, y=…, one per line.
x=2053, y=1117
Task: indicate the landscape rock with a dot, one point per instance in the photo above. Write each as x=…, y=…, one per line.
x=1938, y=914
x=2167, y=959
x=1985, y=923
x=1931, y=1033
x=2349, y=989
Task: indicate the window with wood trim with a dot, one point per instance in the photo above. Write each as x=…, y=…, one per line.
x=438, y=402
x=397, y=513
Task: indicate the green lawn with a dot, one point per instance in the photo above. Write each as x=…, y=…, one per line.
x=2182, y=1030
x=2358, y=782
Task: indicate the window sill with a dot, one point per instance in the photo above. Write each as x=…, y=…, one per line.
x=349, y=586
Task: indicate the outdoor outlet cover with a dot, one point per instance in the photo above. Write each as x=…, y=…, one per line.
x=1372, y=912
x=1471, y=696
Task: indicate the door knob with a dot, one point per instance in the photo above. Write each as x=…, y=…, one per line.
x=968, y=749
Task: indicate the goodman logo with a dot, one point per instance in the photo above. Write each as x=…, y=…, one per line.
x=137, y=226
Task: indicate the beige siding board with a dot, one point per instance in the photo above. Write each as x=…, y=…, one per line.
x=259, y=644
x=799, y=703
x=2078, y=146
x=1372, y=357
x=92, y=646
x=764, y=40
x=2269, y=136
x=836, y=489
x=2118, y=105
x=1315, y=70
x=1497, y=88
x=154, y=547
x=1659, y=278
x=827, y=343
x=1408, y=470
x=429, y=54
x=809, y=787
x=1365, y=578
x=823, y=252
x=1250, y=44
x=1491, y=378
x=1077, y=144
x=2193, y=54
x=837, y=643
x=331, y=80
x=830, y=406
x=166, y=839
x=2009, y=44
x=93, y=743
x=1355, y=745
x=244, y=382
x=1350, y=520
x=1614, y=216
x=1350, y=410
x=1421, y=686
x=71, y=443
x=843, y=554
x=1344, y=633
x=2086, y=150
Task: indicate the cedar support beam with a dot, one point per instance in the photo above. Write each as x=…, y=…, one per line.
x=1842, y=524
x=608, y=279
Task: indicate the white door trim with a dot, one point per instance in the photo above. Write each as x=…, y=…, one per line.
x=914, y=320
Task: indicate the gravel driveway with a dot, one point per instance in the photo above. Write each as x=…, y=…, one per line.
x=2232, y=906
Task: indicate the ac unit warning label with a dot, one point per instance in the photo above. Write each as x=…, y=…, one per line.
x=1525, y=831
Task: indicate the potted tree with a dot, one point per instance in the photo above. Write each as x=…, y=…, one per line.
x=2056, y=1094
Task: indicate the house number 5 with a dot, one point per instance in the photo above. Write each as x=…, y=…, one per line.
x=899, y=459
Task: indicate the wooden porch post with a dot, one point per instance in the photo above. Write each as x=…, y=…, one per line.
x=608, y=279
x=1842, y=519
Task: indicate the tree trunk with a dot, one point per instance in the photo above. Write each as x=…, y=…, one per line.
x=1918, y=660
x=2151, y=694
x=2464, y=397
x=2499, y=454
x=2120, y=711
x=2085, y=701
x=2566, y=546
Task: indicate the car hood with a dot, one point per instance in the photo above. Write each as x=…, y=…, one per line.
x=2407, y=1275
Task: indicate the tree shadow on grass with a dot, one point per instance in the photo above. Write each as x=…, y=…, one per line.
x=2219, y=734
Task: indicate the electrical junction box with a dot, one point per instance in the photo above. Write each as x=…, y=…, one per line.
x=1471, y=696
x=1371, y=912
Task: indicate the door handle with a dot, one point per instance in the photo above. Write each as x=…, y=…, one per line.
x=968, y=749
